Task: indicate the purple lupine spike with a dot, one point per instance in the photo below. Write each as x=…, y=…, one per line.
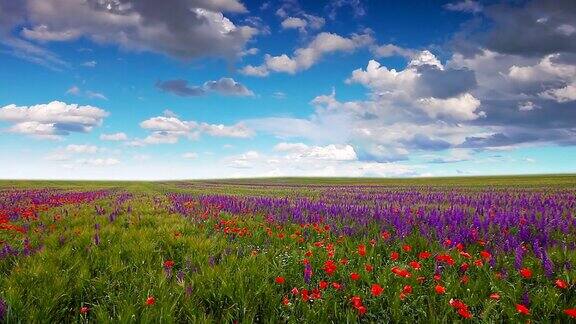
x=307, y=273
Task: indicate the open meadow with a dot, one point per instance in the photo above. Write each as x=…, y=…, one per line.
x=486, y=249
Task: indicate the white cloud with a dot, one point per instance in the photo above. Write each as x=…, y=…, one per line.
x=527, y=106
x=190, y=155
x=303, y=58
x=114, y=137
x=52, y=120
x=465, y=6
x=459, y=108
x=565, y=94
x=90, y=64
x=76, y=148
x=294, y=23
x=335, y=152
x=302, y=24
x=98, y=162
x=168, y=130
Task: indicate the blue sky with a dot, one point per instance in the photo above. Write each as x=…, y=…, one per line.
x=123, y=89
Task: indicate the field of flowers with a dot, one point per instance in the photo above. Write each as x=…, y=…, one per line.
x=290, y=250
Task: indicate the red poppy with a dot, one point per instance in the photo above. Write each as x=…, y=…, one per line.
x=323, y=284
x=440, y=289
x=464, y=312
x=168, y=264
x=361, y=310
x=285, y=301
x=376, y=290
x=316, y=294
x=294, y=291
x=424, y=255
x=485, y=255
x=561, y=284
x=446, y=258
x=465, y=279
x=394, y=256
x=570, y=312
x=457, y=303
x=407, y=289
x=385, y=235
x=522, y=309
x=465, y=255
x=150, y=300
x=330, y=267
x=368, y=268
x=354, y=276
x=343, y=261
x=415, y=265
x=495, y=296
x=280, y=280
x=373, y=242
x=308, y=253
x=526, y=273
x=356, y=301
x=406, y=248
x=84, y=310
x=437, y=277
x=401, y=272
x=336, y=285
x=362, y=249
x=478, y=263
x=464, y=266
x=460, y=247
x=304, y=295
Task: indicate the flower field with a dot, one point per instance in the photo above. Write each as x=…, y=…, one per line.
x=290, y=250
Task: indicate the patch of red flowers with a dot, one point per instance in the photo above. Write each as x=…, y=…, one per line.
x=522, y=309
x=401, y=272
x=526, y=273
x=376, y=290
x=169, y=264
x=357, y=304
x=280, y=280
x=150, y=300
x=570, y=312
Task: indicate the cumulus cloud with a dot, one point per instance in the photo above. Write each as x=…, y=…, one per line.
x=305, y=57
x=328, y=152
x=115, y=137
x=81, y=148
x=223, y=86
x=185, y=29
x=52, y=120
x=302, y=24
x=168, y=130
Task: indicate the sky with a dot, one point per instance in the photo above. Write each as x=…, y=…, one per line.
x=188, y=89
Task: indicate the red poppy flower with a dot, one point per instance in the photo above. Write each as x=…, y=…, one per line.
x=465, y=279
x=356, y=301
x=368, y=268
x=437, y=277
x=304, y=295
x=401, y=272
x=446, y=258
x=168, y=264
x=570, y=312
x=526, y=273
x=424, y=255
x=84, y=310
x=464, y=312
x=478, y=263
x=407, y=289
x=316, y=294
x=336, y=285
x=330, y=267
x=457, y=303
x=323, y=284
x=440, y=289
x=385, y=235
x=465, y=255
x=485, y=255
x=294, y=291
x=308, y=253
x=464, y=266
x=354, y=276
x=280, y=280
x=415, y=265
x=495, y=296
x=150, y=300
x=376, y=290
x=362, y=249
x=343, y=261
x=561, y=284
x=285, y=301
x=373, y=242
x=406, y=248
x=394, y=256
x=361, y=310
x=522, y=309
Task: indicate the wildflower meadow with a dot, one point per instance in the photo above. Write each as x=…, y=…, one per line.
x=489, y=249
